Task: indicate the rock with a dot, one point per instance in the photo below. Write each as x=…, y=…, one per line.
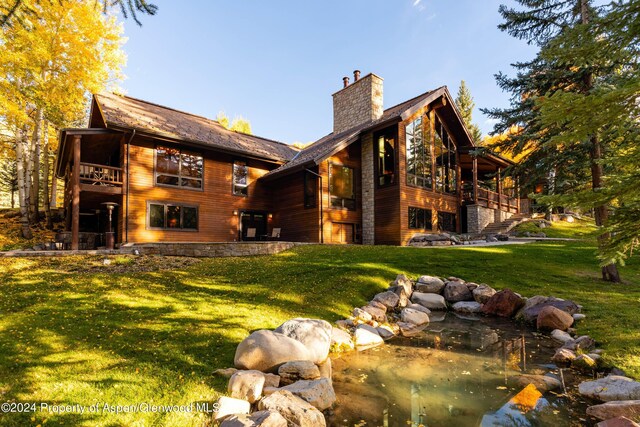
x=618, y=422
x=268, y=391
x=457, y=291
x=297, y=370
x=616, y=408
x=410, y=329
x=437, y=316
x=404, y=282
x=376, y=314
x=584, y=343
x=367, y=336
x=419, y=308
x=257, y=419
x=271, y=380
x=341, y=340
x=230, y=406
x=402, y=295
x=535, y=304
x=246, y=385
x=543, y=383
x=563, y=356
x=385, y=332
x=295, y=410
x=266, y=350
x=471, y=307
x=225, y=373
x=344, y=323
x=318, y=393
x=326, y=369
x=409, y=315
x=612, y=387
x=471, y=286
x=551, y=318
x=491, y=239
x=430, y=301
x=429, y=285
x=361, y=315
x=584, y=363
x=482, y=293
x=315, y=334
x=561, y=336
x=388, y=299
x=504, y=304
x=378, y=305
x=502, y=237
x=578, y=316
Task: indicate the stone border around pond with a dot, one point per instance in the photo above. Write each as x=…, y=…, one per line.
x=283, y=377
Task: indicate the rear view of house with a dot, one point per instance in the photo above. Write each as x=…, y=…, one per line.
x=381, y=176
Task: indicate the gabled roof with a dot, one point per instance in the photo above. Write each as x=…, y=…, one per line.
x=330, y=144
x=124, y=112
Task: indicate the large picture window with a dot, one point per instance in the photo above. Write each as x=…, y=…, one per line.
x=385, y=145
x=445, y=155
x=240, y=179
x=342, y=188
x=171, y=216
x=418, y=149
x=310, y=190
x=178, y=168
x=419, y=219
x=447, y=221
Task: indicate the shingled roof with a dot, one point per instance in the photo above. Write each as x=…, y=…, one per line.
x=130, y=113
x=328, y=145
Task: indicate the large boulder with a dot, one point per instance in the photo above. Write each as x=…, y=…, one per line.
x=341, y=340
x=377, y=314
x=297, y=370
x=543, y=383
x=367, y=336
x=402, y=295
x=618, y=422
x=430, y=301
x=318, y=393
x=467, y=307
x=315, y=334
x=551, y=318
x=429, y=285
x=612, y=387
x=361, y=315
x=246, y=385
x=534, y=305
x=257, y=419
x=419, y=308
x=483, y=292
x=388, y=299
x=504, y=304
x=415, y=317
x=295, y=410
x=455, y=291
x=266, y=350
x=403, y=282
x=229, y=406
x=616, y=408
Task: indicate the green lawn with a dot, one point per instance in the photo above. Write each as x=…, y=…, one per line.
x=73, y=331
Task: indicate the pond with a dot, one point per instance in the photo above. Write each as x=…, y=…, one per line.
x=455, y=373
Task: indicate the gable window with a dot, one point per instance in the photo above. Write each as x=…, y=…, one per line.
x=342, y=188
x=240, y=179
x=172, y=216
x=418, y=149
x=446, y=221
x=310, y=190
x=385, y=145
x=445, y=157
x=178, y=168
x=419, y=219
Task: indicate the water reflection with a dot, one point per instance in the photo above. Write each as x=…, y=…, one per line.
x=454, y=373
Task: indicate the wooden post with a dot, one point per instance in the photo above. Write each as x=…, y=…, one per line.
x=518, y=193
x=475, y=180
x=499, y=188
x=75, y=198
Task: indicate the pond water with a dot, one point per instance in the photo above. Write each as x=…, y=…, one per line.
x=454, y=373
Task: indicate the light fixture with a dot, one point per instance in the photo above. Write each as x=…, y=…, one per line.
x=270, y=216
x=235, y=212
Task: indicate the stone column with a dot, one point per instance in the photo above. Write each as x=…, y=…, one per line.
x=368, y=190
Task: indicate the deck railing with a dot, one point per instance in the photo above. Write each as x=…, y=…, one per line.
x=103, y=175
x=493, y=200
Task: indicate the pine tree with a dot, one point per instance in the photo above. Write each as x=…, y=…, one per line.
x=464, y=102
x=553, y=142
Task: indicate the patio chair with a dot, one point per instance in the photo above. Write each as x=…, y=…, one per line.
x=275, y=234
x=251, y=234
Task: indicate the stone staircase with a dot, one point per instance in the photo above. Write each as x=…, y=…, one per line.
x=506, y=225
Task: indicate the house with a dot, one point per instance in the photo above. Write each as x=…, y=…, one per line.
x=381, y=176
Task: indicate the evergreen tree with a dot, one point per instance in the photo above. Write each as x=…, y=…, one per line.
x=464, y=102
x=541, y=104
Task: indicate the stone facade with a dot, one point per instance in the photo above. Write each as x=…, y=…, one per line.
x=479, y=217
x=207, y=250
x=368, y=191
x=358, y=103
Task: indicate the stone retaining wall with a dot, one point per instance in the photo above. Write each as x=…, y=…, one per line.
x=230, y=249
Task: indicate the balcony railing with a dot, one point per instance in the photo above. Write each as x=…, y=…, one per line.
x=493, y=200
x=102, y=175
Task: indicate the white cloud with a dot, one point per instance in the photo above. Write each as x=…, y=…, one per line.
x=416, y=2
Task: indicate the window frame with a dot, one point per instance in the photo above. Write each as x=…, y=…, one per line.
x=415, y=179
x=455, y=221
x=179, y=175
x=166, y=205
x=355, y=188
x=451, y=148
x=233, y=178
x=392, y=134
x=430, y=222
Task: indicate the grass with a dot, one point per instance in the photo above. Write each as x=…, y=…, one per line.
x=580, y=229
x=153, y=329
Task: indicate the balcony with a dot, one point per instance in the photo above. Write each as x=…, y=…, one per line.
x=100, y=178
x=491, y=199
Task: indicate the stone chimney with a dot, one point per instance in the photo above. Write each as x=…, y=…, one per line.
x=357, y=103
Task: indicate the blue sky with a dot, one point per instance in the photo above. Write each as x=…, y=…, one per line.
x=277, y=62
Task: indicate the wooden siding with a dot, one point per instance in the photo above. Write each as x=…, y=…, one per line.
x=298, y=224
x=216, y=204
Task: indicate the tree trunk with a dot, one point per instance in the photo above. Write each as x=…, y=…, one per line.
x=22, y=186
x=54, y=192
x=45, y=173
x=36, y=144
x=13, y=199
x=609, y=271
